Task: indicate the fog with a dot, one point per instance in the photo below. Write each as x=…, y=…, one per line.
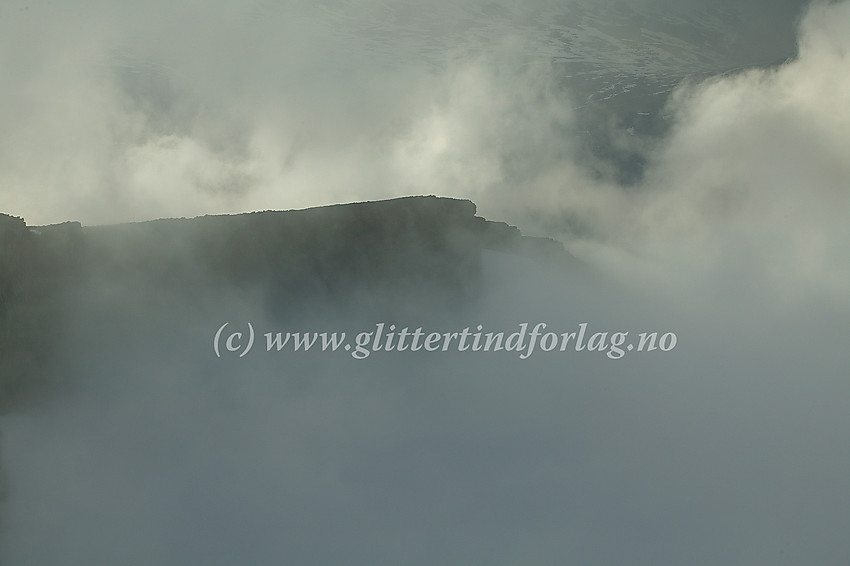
x=159, y=109
x=709, y=199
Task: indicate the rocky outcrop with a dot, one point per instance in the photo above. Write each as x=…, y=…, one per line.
x=402, y=249
x=414, y=252
x=37, y=267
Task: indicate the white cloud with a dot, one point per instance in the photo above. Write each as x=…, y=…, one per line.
x=756, y=164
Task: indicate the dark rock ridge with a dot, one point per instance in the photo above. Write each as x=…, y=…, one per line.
x=35, y=269
x=420, y=251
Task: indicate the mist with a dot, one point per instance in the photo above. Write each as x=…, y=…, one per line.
x=122, y=111
x=691, y=158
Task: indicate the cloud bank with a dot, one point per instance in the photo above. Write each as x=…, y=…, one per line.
x=120, y=112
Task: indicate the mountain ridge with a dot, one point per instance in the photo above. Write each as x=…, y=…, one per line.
x=410, y=254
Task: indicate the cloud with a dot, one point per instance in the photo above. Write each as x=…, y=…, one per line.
x=116, y=111
x=751, y=178
x=755, y=166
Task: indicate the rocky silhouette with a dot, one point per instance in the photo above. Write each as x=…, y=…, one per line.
x=400, y=254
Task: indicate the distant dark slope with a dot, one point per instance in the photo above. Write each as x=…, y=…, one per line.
x=37, y=268
x=413, y=253
x=393, y=246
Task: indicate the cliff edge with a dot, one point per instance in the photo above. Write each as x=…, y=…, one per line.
x=412, y=252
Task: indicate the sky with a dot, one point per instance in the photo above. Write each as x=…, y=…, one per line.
x=693, y=153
